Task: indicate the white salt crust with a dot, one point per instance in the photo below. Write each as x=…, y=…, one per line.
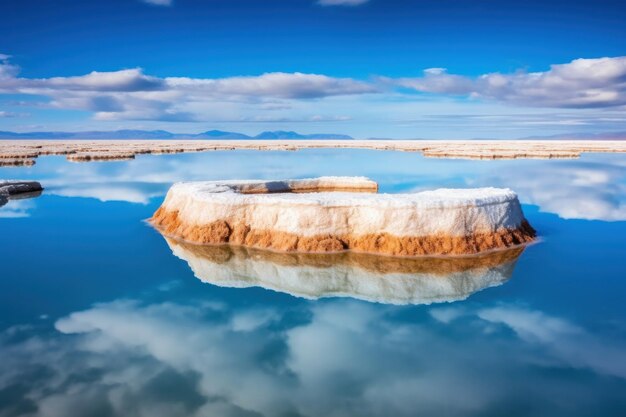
x=449, y=212
x=343, y=280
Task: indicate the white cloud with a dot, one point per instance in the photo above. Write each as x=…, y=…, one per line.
x=132, y=95
x=117, y=81
x=159, y=2
x=594, y=89
x=341, y=2
x=277, y=85
x=7, y=70
x=9, y=114
x=437, y=80
x=581, y=83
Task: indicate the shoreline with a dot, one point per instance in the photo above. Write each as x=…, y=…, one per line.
x=21, y=152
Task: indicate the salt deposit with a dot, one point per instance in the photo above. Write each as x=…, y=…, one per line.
x=103, y=150
x=332, y=214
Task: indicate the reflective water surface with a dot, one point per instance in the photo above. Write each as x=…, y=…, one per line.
x=384, y=279
x=102, y=316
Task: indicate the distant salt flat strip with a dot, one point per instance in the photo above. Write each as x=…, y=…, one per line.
x=16, y=162
x=492, y=149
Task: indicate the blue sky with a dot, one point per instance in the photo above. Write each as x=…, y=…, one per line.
x=494, y=68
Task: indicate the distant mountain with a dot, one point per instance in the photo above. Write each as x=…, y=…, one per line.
x=118, y=134
x=583, y=136
x=163, y=134
x=282, y=134
x=219, y=134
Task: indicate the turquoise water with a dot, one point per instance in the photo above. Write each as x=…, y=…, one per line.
x=99, y=318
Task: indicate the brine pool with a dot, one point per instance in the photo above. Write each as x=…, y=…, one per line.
x=100, y=315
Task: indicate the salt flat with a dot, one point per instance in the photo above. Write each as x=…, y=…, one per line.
x=23, y=152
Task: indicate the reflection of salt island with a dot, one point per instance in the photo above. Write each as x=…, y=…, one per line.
x=376, y=278
x=332, y=214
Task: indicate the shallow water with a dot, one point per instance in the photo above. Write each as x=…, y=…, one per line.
x=99, y=317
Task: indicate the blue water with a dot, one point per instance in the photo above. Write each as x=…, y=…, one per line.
x=99, y=318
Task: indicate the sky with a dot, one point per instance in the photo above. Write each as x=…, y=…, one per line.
x=368, y=68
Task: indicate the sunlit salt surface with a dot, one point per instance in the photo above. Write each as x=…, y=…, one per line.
x=99, y=317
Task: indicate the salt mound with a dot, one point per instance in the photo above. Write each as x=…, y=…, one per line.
x=331, y=214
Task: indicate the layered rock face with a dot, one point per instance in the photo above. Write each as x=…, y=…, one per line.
x=333, y=214
x=374, y=278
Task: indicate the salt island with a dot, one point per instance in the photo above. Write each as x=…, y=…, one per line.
x=333, y=214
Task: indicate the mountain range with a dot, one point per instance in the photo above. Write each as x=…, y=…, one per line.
x=276, y=134
x=163, y=134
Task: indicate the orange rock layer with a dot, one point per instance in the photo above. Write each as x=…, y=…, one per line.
x=221, y=232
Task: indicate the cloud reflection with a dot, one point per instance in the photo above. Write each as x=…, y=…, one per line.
x=572, y=190
x=193, y=358
x=592, y=188
x=17, y=205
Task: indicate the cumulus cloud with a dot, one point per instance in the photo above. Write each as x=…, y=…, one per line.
x=131, y=94
x=7, y=70
x=277, y=85
x=117, y=81
x=341, y=2
x=581, y=83
x=437, y=80
x=592, y=88
x=9, y=114
x=159, y=2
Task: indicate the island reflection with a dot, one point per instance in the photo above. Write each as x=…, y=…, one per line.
x=382, y=279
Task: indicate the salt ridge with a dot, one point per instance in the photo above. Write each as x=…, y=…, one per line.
x=344, y=213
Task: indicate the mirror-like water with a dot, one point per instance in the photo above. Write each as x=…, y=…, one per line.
x=100, y=315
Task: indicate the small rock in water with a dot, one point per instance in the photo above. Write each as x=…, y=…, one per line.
x=16, y=189
x=11, y=187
